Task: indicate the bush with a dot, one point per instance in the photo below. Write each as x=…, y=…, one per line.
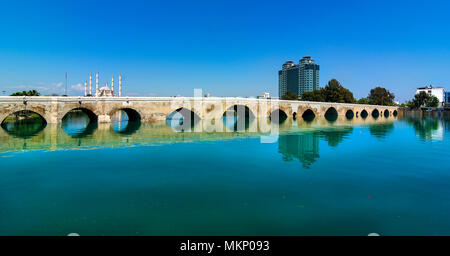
x=26, y=93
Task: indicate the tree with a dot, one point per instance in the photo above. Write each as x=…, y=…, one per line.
x=315, y=95
x=381, y=96
x=335, y=92
x=432, y=102
x=363, y=101
x=408, y=104
x=420, y=99
x=332, y=92
x=290, y=96
x=25, y=93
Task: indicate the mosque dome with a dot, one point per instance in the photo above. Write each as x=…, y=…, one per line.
x=105, y=91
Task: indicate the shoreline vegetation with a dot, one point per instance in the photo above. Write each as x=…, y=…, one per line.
x=23, y=117
x=333, y=91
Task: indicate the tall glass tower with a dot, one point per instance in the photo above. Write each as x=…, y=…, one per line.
x=298, y=79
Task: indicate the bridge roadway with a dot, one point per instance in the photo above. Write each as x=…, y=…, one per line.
x=101, y=109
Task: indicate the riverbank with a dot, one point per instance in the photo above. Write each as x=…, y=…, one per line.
x=23, y=118
x=427, y=112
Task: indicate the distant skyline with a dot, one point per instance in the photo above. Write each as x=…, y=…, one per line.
x=226, y=48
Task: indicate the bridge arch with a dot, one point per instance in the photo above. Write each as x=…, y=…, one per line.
x=331, y=114
x=395, y=113
x=183, y=113
x=286, y=108
x=33, y=123
x=308, y=115
x=386, y=113
x=238, y=117
x=133, y=114
x=349, y=114
x=278, y=116
x=93, y=117
x=182, y=119
x=364, y=114
x=375, y=113
x=79, y=122
x=240, y=111
x=38, y=111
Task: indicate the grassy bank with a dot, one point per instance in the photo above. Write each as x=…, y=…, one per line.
x=23, y=118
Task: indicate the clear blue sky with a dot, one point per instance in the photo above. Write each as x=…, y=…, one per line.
x=227, y=48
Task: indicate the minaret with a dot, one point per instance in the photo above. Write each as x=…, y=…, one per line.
x=96, y=85
x=112, y=85
x=90, y=84
x=85, y=88
x=120, y=85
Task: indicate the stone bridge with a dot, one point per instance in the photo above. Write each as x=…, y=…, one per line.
x=101, y=109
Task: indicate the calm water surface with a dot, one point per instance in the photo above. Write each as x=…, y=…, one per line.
x=390, y=176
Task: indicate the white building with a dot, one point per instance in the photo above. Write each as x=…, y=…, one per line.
x=264, y=95
x=438, y=92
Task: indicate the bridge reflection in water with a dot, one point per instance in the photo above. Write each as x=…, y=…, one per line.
x=296, y=138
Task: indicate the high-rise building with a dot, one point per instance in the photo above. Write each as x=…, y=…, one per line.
x=304, y=147
x=298, y=79
x=309, y=75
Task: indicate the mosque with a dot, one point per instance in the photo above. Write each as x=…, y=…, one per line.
x=104, y=91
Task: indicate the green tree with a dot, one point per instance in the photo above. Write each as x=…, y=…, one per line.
x=315, y=95
x=26, y=93
x=410, y=104
x=381, y=96
x=335, y=92
x=332, y=92
x=420, y=99
x=432, y=102
x=290, y=96
x=363, y=101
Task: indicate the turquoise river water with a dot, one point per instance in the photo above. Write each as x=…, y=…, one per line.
x=389, y=176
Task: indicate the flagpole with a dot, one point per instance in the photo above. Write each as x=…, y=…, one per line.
x=66, y=85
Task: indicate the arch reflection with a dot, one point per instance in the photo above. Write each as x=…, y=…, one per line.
x=291, y=133
x=236, y=124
